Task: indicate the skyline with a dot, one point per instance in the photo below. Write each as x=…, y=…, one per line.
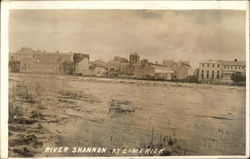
x=177, y=35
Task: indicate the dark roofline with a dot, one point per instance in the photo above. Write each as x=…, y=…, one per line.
x=225, y=62
x=44, y=53
x=233, y=63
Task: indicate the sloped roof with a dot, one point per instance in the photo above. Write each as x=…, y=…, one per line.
x=233, y=63
x=187, y=65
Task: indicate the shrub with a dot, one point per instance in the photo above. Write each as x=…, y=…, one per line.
x=238, y=78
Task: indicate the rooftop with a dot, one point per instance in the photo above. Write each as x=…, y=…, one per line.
x=226, y=62
x=233, y=63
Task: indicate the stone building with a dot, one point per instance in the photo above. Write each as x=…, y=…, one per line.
x=119, y=65
x=218, y=71
x=127, y=69
x=134, y=59
x=120, y=59
x=113, y=66
x=48, y=62
x=98, y=63
x=96, y=71
x=152, y=71
x=183, y=70
x=81, y=63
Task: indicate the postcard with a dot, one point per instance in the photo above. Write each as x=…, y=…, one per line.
x=125, y=79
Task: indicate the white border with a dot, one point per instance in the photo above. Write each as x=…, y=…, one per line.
x=4, y=81
x=164, y=5
x=247, y=80
x=170, y=5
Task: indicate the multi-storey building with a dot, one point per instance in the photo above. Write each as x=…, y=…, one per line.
x=218, y=71
x=49, y=62
x=81, y=63
x=153, y=71
x=134, y=59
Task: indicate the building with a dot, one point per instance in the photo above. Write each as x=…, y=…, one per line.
x=152, y=71
x=134, y=59
x=49, y=62
x=230, y=67
x=127, y=69
x=168, y=63
x=162, y=72
x=98, y=63
x=100, y=71
x=96, y=71
x=119, y=65
x=183, y=70
x=113, y=66
x=218, y=71
x=120, y=59
x=81, y=63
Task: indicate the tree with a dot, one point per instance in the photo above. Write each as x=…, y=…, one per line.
x=238, y=78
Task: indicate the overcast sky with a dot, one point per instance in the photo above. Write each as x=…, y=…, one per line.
x=153, y=34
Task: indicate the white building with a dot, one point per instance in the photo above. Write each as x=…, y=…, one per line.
x=218, y=71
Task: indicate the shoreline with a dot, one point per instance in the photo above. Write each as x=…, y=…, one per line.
x=125, y=80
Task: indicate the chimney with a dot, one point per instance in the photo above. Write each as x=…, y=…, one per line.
x=235, y=60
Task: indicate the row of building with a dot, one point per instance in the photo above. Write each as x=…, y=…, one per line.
x=211, y=71
x=29, y=60
x=141, y=69
x=218, y=71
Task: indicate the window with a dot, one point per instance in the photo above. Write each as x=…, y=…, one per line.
x=207, y=65
x=202, y=73
x=203, y=65
x=213, y=65
x=224, y=66
x=218, y=74
x=207, y=74
x=218, y=65
x=212, y=74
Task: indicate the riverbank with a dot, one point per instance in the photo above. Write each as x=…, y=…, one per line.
x=124, y=80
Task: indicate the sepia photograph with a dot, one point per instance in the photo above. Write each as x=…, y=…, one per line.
x=127, y=82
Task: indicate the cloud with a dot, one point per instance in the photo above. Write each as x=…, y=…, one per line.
x=154, y=34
